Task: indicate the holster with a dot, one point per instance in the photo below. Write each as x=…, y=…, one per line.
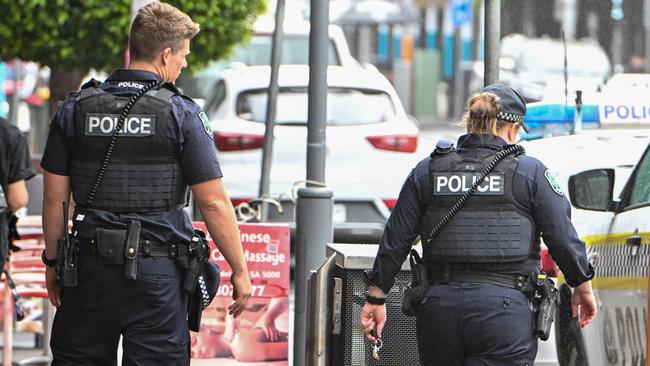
x=416, y=290
x=199, y=252
x=67, y=269
x=545, y=304
x=131, y=250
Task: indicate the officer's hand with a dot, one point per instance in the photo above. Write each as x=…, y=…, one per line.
x=53, y=289
x=583, y=304
x=241, y=293
x=373, y=317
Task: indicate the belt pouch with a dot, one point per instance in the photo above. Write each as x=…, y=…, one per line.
x=110, y=245
x=131, y=250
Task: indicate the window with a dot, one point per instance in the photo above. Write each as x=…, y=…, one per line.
x=295, y=51
x=345, y=106
x=641, y=188
x=216, y=97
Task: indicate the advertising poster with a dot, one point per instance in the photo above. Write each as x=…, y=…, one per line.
x=259, y=336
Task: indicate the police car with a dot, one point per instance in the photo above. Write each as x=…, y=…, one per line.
x=605, y=170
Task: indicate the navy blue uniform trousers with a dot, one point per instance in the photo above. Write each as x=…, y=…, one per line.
x=149, y=312
x=463, y=324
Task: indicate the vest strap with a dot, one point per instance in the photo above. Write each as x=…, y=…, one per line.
x=163, y=94
x=87, y=92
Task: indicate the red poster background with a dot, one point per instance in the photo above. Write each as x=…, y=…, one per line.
x=259, y=336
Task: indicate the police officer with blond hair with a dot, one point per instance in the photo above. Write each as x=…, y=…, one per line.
x=474, y=310
x=131, y=235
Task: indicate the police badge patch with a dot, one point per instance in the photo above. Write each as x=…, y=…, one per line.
x=206, y=124
x=552, y=180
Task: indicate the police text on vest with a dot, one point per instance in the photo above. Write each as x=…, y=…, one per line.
x=135, y=125
x=448, y=184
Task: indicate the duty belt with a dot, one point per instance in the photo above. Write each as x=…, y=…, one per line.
x=518, y=282
x=147, y=248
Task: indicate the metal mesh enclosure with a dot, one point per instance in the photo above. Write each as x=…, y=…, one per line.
x=400, y=344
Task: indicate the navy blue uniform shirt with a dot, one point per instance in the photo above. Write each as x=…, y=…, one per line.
x=198, y=159
x=15, y=160
x=551, y=212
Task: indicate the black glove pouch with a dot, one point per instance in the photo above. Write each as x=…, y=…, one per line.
x=414, y=293
x=110, y=246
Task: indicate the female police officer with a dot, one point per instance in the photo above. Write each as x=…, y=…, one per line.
x=473, y=313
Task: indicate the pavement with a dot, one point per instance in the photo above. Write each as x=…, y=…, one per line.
x=25, y=346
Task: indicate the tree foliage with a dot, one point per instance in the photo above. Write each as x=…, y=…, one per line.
x=82, y=34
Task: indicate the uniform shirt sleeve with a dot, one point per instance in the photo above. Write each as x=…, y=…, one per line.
x=198, y=154
x=20, y=167
x=55, y=156
x=401, y=229
x=552, y=214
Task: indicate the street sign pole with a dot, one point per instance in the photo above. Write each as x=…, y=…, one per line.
x=271, y=105
x=314, y=206
x=646, y=26
x=492, y=41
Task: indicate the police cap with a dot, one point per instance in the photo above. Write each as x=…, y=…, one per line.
x=513, y=106
x=205, y=291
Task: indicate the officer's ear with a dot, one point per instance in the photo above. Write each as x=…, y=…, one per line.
x=165, y=56
x=512, y=131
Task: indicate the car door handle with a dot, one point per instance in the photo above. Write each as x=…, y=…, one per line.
x=634, y=241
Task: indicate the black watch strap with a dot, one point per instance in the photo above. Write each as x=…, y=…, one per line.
x=375, y=300
x=49, y=262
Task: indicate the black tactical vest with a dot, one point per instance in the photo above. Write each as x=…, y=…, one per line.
x=144, y=173
x=490, y=228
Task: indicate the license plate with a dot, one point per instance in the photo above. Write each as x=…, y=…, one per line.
x=339, y=213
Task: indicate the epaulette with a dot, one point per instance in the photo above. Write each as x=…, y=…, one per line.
x=443, y=147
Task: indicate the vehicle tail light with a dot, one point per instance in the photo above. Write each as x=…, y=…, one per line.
x=390, y=202
x=238, y=201
x=402, y=143
x=548, y=264
x=229, y=141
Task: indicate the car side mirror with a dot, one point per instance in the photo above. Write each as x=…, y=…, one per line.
x=592, y=189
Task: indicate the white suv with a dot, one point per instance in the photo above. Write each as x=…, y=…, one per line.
x=257, y=51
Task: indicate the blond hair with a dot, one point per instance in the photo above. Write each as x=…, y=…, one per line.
x=481, y=115
x=158, y=26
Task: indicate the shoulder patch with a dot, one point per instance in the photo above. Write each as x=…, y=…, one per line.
x=206, y=124
x=552, y=180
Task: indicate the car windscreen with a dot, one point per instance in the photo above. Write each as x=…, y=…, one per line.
x=295, y=51
x=548, y=57
x=345, y=106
